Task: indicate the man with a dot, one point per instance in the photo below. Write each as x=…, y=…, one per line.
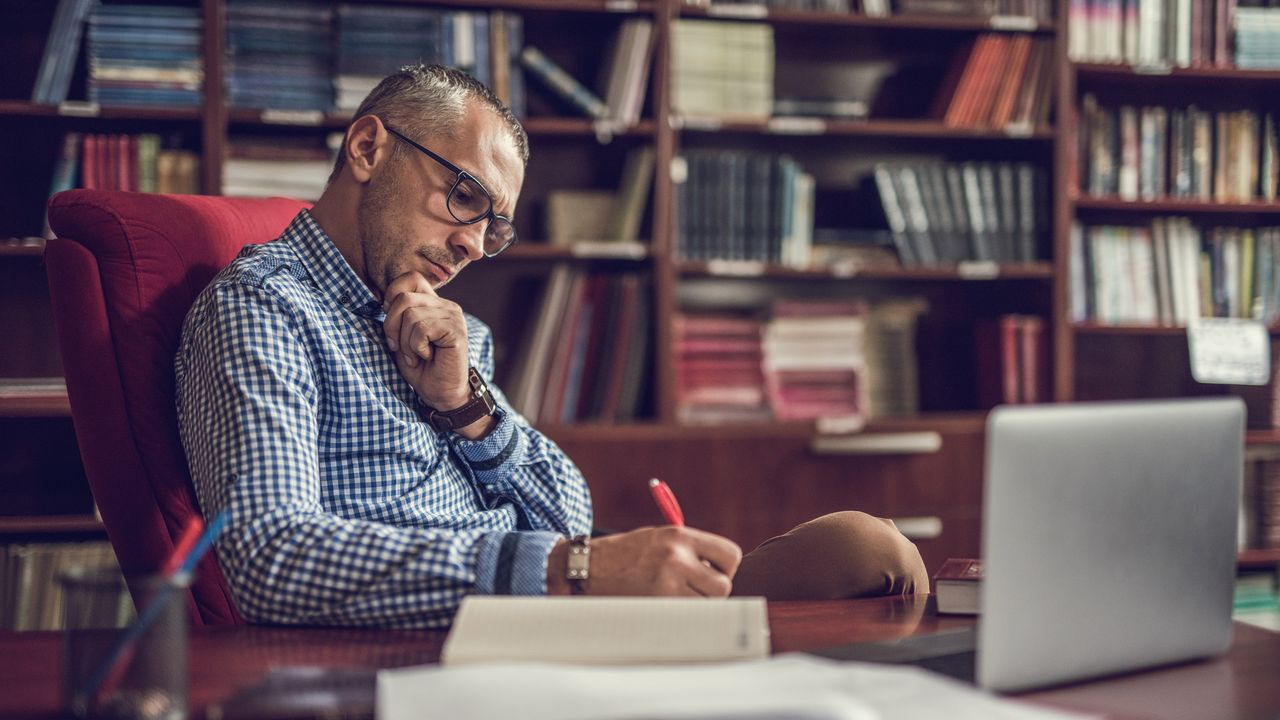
x=327, y=400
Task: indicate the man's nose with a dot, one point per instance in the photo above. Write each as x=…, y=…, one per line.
x=469, y=240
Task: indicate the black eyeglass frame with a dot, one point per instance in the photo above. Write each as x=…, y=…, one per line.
x=495, y=220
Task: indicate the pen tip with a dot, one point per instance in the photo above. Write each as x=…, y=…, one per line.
x=654, y=482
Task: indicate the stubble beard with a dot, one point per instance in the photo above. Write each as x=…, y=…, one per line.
x=382, y=236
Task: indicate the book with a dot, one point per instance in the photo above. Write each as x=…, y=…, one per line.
x=579, y=215
x=564, y=84
x=606, y=630
x=957, y=586
x=633, y=194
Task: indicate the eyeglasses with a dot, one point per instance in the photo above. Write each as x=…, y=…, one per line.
x=469, y=203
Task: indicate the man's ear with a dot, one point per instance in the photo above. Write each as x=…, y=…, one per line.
x=366, y=146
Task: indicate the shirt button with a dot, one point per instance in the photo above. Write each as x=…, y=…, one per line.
x=344, y=299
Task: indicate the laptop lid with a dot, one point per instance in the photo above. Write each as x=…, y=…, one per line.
x=1109, y=537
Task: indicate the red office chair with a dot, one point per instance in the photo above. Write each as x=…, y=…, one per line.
x=123, y=272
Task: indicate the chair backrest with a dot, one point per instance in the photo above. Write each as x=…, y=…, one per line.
x=123, y=272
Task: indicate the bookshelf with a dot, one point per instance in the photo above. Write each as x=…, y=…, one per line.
x=908, y=55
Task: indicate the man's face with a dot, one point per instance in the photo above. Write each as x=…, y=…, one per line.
x=403, y=217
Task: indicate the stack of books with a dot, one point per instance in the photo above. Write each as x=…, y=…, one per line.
x=623, y=78
x=1181, y=33
x=374, y=41
x=30, y=595
x=892, y=378
x=1151, y=153
x=1012, y=360
x=135, y=163
x=999, y=81
x=942, y=214
x=269, y=167
x=719, y=369
x=1171, y=272
x=145, y=55
x=814, y=359
x=957, y=586
x=1257, y=42
x=53, y=80
x=278, y=55
x=588, y=350
x=603, y=216
x=722, y=70
x=744, y=206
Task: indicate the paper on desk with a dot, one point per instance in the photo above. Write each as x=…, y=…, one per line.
x=790, y=687
x=611, y=630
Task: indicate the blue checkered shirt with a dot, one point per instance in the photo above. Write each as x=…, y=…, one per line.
x=345, y=508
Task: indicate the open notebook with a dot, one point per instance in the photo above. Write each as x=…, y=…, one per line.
x=606, y=630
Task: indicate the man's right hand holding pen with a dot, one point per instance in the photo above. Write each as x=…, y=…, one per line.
x=668, y=560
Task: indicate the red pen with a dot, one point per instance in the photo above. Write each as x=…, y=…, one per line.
x=666, y=502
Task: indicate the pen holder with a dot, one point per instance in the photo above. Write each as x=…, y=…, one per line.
x=111, y=666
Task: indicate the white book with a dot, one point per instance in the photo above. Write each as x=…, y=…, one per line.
x=1079, y=285
x=606, y=630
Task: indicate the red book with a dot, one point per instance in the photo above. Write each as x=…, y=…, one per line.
x=999, y=379
x=89, y=162
x=1013, y=80
x=993, y=68
x=957, y=586
x=1033, y=365
x=954, y=116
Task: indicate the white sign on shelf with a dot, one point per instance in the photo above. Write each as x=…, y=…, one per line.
x=1014, y=23
x=292, y=117
x=797, y=125
x=978, y=270
x=743, y=11
x=76, y=108
x=1229, y=351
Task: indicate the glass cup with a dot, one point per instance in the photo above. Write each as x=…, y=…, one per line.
x=129, y=671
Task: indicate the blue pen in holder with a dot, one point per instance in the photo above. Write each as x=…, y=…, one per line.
x=135, y=671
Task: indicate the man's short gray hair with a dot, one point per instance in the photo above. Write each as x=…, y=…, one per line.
x=426, y=101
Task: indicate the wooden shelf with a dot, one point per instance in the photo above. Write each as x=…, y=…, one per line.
x=50, y=524
x=1093, y=328
x=908, y=129
x=537, y=126
x=1262, y=437
x=582, y=6
x=947, y=23
x=613, y=251
x=36, y=403
x=24, y=108
x=1182, y=207
x=965, y=272
x=8, y=250
x=1104, y=71
x=1258, y=559
x=1090, y=328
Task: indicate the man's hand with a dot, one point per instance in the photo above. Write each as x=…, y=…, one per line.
x=428, y=336
x=653, y=561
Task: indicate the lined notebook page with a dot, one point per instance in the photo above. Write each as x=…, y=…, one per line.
x=606, y=630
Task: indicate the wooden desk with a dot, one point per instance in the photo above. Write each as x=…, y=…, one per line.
x=1245, y=683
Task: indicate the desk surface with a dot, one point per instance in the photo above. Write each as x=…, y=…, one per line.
x=1245, y=683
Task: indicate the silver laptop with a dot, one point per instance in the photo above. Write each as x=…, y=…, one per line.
x=1109, y=538
x=1109, y=535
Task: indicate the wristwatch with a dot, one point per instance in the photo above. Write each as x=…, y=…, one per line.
x=579, y=569
x=480, y=405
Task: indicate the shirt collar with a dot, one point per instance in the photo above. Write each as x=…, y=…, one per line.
x=328, y=268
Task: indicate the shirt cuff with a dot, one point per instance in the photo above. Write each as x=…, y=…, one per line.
x=491, y=456
x=513, y=563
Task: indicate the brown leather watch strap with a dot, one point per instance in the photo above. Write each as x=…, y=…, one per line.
x=480, y=405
